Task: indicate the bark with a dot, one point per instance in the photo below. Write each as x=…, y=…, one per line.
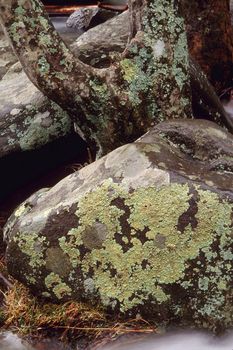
x=7, y=57
x=210, y=39
x=135, y=17
x=115, y=105
x=99, y=45
x=206, y=104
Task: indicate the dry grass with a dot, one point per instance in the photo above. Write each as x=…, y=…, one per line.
x=28, y=316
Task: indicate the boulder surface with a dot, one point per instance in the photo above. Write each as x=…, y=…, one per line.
x=28, y=119
x=146, y=230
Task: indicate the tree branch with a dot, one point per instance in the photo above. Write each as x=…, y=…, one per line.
x=116, y=105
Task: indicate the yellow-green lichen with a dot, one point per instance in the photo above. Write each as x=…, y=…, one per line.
x=99, y=207
x=138, y=72
x=45, y=40
x=20, y=210
x=98, y=210
x=100, y=88
x=158, y=211
x=69, y=245
x=129, y=69
x=54, y=283
x=31, y=279
x=33, y=246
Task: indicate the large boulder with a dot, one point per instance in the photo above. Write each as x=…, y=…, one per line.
x=145, y=230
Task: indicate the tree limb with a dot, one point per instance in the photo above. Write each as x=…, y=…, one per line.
x=115, y=105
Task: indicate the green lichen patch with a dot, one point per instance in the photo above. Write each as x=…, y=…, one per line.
x=55, y=284
x=33, y=246
x=128, y=277
x=165, y=32
x=138, y=73
x=20, y=210
x=129, y=70
x=43, y=66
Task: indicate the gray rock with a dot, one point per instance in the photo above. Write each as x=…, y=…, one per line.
x=145, y=230
x=96, y=49
x=81, y=18
x=89, y=17
x=28, y=119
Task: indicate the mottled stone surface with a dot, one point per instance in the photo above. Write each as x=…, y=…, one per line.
x=7, y=56
x=145, y=230
x=96, y=49
x=81, y=18
x=28, y=119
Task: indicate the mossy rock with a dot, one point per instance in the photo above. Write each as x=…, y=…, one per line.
x=28, y=119
x=145, y=230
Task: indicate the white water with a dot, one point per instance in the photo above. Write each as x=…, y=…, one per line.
x=228, y=106
x=10, y=341
x=179, y=340
x=176, y=341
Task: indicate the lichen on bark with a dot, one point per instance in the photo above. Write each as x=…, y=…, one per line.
x=157, y=90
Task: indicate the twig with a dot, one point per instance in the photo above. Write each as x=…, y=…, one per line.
x=103, y=329
x=8, y=283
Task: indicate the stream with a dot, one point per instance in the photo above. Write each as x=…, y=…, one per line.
x=176, y=340
x=10, y=341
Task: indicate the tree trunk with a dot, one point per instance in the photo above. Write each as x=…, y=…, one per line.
x=210, y=39
x=111, y=106
x=100, y=44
